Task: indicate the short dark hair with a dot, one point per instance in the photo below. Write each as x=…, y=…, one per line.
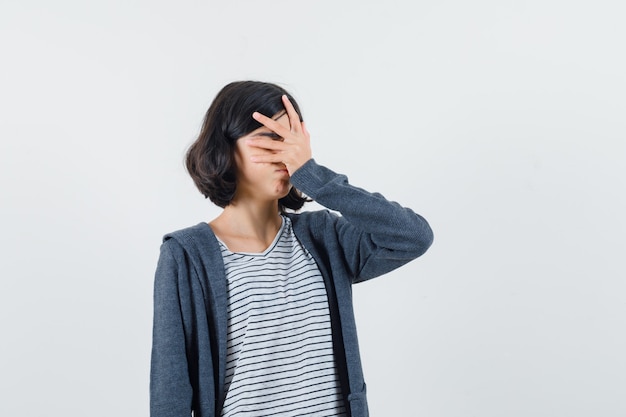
x=210, y=159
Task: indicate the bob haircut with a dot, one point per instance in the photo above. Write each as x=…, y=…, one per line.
x=210, y=159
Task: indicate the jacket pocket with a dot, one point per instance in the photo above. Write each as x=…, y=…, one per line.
x=358, y=402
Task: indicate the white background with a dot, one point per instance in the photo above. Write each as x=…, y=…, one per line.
x=502, y=122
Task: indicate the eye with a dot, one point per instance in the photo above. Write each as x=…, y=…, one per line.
x=275, y=136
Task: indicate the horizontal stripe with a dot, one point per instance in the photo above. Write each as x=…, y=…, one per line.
x=280, y=358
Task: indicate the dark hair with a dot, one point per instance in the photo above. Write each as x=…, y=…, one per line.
x=210, y=159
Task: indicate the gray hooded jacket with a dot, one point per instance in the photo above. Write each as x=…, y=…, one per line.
x=372, y=236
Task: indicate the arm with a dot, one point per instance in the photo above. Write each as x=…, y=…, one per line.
x=170, y=388
x=375, y=234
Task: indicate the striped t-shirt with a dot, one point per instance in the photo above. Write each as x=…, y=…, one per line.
x=280, y=358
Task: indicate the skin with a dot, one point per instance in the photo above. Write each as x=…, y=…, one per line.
x=266, y=158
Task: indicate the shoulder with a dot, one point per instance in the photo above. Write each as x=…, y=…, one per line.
x=193, y=248
x=200, y=231
x=317, y=223
x=312, y=218
x=198, y=241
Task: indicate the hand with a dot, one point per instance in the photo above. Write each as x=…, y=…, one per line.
x=293, y=148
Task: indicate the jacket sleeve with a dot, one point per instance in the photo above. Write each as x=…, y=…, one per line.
x=375, y=235
x=170, y=387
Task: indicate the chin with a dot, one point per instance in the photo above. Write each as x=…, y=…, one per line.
x=283, y=191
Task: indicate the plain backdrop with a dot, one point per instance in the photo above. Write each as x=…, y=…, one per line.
x=502, y=122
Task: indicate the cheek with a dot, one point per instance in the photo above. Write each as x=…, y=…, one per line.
x=238, y=158
x=246, y=169
x=242, y=162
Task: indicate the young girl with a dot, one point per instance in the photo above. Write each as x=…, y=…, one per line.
x=253, y=311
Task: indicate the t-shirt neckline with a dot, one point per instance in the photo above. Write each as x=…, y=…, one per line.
x=266, y=251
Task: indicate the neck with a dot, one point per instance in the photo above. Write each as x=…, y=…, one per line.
x=252, y=220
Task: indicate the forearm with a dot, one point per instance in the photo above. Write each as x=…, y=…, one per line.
x=370, y=212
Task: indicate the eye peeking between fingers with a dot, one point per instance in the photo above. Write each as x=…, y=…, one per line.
x=271, y=135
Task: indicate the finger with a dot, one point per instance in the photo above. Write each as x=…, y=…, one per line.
x=270, y=158
x=270, y=123
x=264, y=143
x=294, y=117
x=305, y=131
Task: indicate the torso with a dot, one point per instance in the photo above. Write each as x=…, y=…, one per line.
x=280, y=356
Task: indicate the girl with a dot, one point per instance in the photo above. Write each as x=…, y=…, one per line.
x=253, y=311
